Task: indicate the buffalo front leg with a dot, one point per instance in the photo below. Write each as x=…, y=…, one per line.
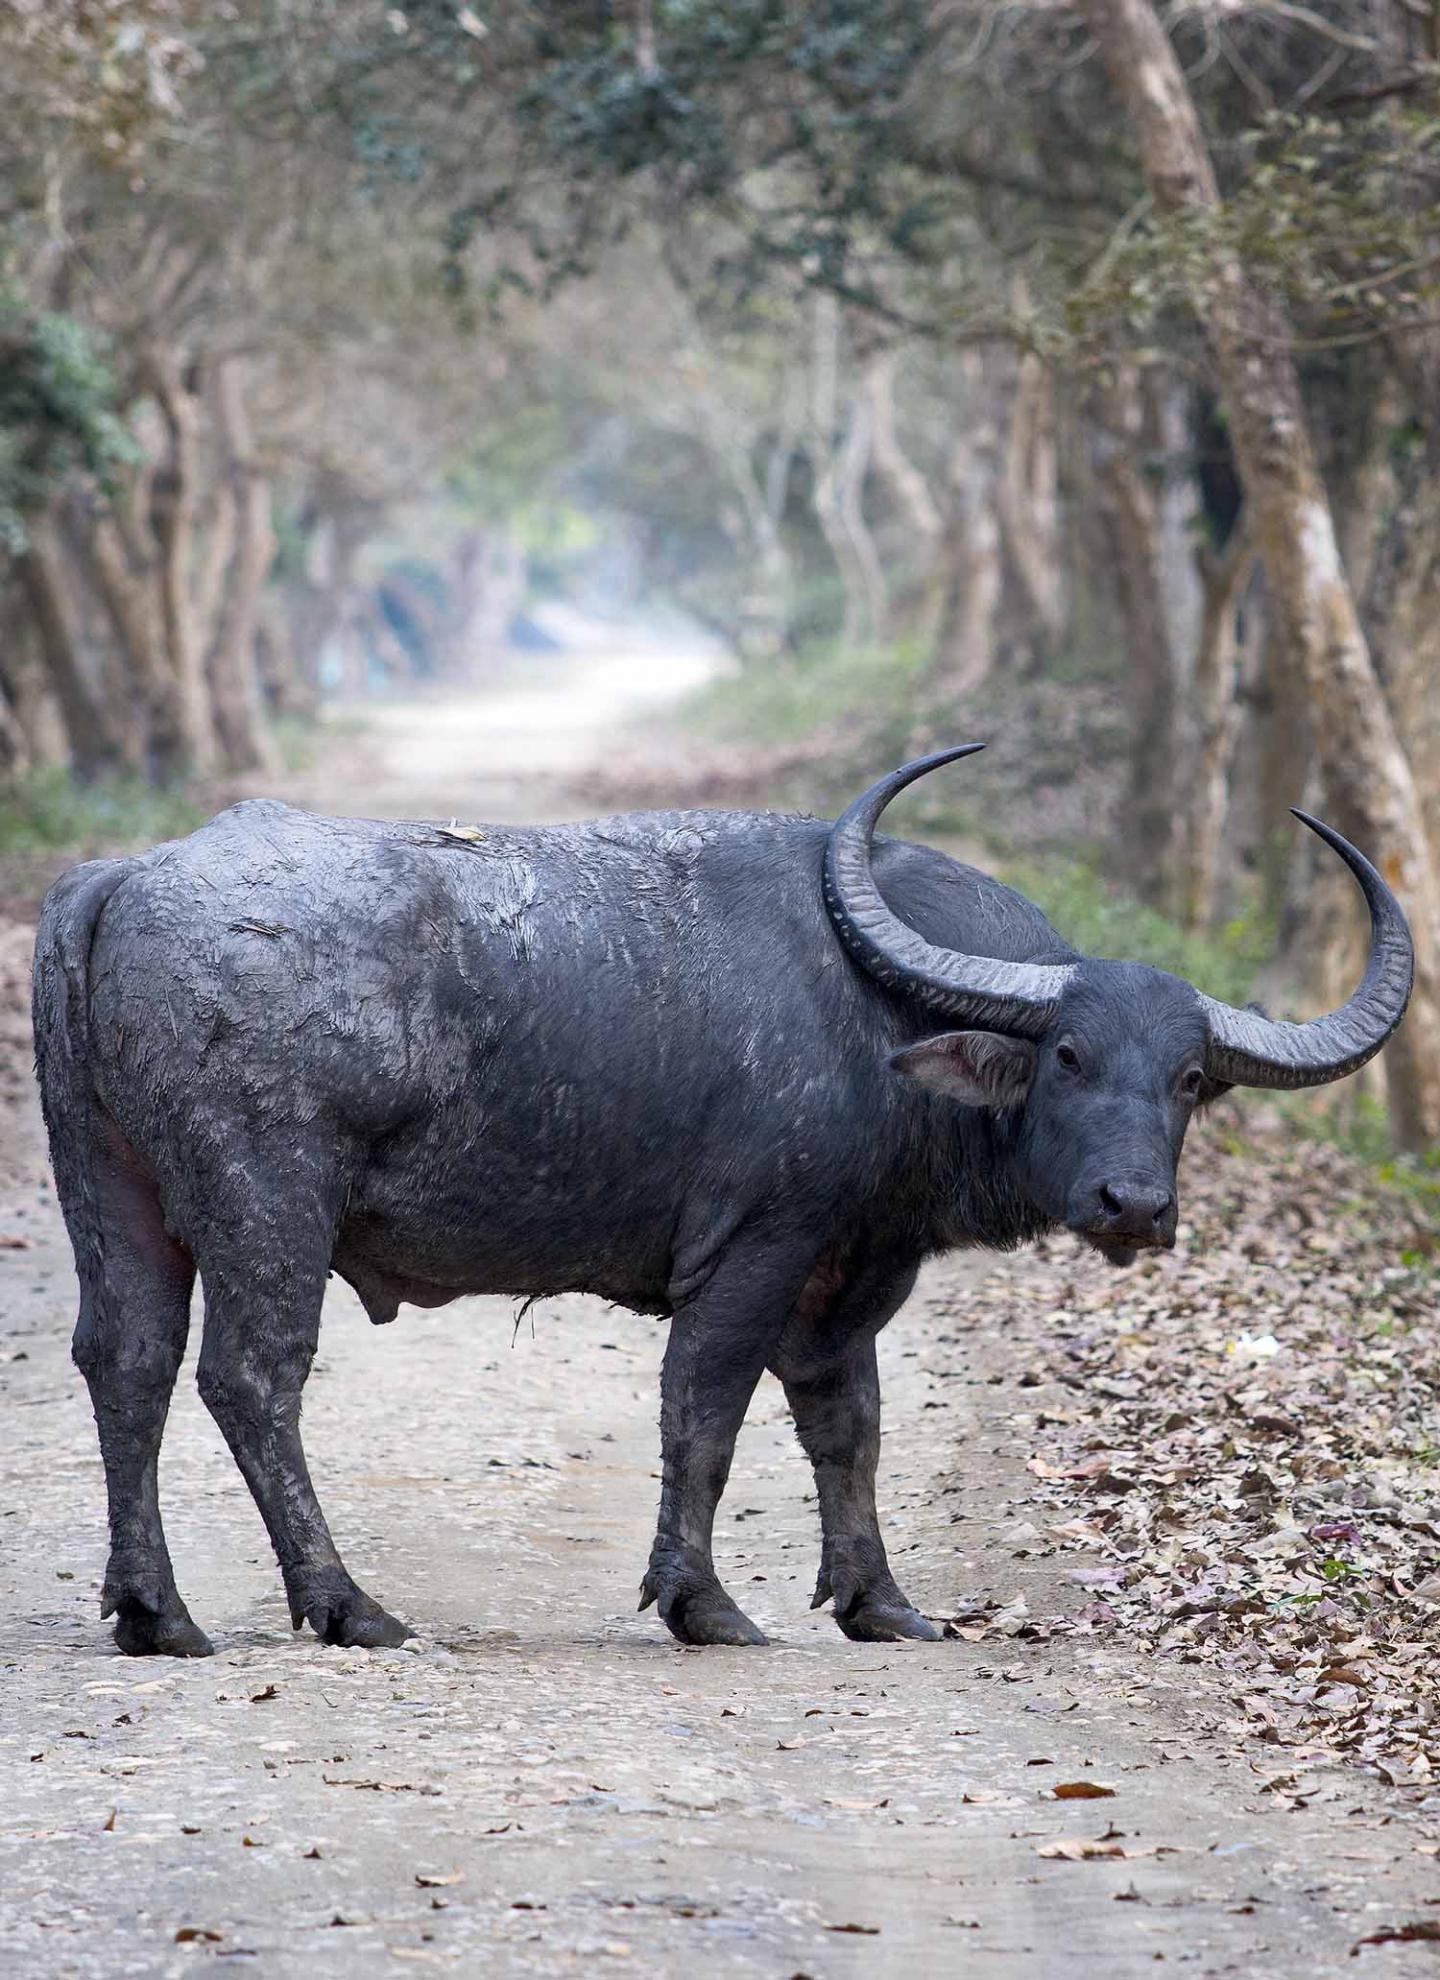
x=719, y=1343
x=836, y=1406
x=262, y=1323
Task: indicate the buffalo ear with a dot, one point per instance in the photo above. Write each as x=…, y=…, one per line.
x=977, y=1068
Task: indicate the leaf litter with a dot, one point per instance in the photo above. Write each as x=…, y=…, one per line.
x=1246, y=1445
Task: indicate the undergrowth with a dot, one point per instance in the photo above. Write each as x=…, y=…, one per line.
x=49, y=811
x=1358, y=1124
x=873, y=707
x=1102, y=919
x=818, y=690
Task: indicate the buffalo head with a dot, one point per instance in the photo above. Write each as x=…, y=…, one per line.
x=1103, y=1063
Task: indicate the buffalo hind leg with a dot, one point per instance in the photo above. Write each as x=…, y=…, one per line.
x=719, y=1343
x=262, y=1323
x=834, y=1397
x=129, y=1343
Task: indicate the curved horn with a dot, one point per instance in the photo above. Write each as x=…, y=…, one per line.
x=1019, y=998
x=1249, y=1050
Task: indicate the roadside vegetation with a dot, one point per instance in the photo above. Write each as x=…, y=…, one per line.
x=47, y=811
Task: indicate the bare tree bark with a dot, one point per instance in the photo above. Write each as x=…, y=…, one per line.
x=38, y=738
x=93, y=729
x=765, y=610
x=1152, y=663
x=907, y=484
x=288, y=687
x=343, y=523
x=1215, y=711
x=969, y=556
x=1369, y=785
x=126, y=590
x=1026, y=500
x=923, y=593
x=1402, y=611
x=187, y=741
x=244, y=739
x=14, y=753
x=838, y=469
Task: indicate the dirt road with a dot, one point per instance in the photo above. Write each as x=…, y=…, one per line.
x=542, y=1783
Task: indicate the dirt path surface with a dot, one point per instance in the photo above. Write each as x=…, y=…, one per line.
x=542, y=1783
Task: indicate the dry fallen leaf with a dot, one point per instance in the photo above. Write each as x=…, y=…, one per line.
x=1278, y=1522
x=1391, y=1935
x=1088, y=1849
x=438, y=1880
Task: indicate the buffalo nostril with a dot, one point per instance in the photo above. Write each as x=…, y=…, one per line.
x=1134, y=1206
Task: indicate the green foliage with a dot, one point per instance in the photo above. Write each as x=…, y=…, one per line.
x=57, y=410
x=1104, y=920
x=792, y=127
x=47, y=811
x=877, y=705
x=1358, y=1124
x=819, y=690
x=1335, y=211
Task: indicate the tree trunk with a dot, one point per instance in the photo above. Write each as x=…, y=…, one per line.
x=1273, y=758
x=838, y=469
x=1215, y=711
x=38, y=740
x=1368, y=782
x=969, y=556
x=1138, y=564
x=1403, y=616
x=921, y=594
x=288, y=688
x=908, y=486
x=126, y=590
x=14, y=752
x=244, y=741
x=765, y=608
x=343, y=523
x=1026, y=502
x=92, y=729
x=185, y=738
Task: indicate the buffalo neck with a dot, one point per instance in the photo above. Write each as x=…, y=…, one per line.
x=976, y=1192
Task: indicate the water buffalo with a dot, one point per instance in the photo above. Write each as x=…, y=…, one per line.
x=690, y=1061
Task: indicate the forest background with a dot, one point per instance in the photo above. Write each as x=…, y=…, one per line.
x=1068, y=375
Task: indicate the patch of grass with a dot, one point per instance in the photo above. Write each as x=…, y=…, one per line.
x=1101, y=919
x=48, y=811
x=300, y=739
x=819, y=689
x=1358, y=1124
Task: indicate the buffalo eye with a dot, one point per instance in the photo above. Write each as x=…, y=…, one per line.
x=1068, y=1057
x=1191, y=1081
